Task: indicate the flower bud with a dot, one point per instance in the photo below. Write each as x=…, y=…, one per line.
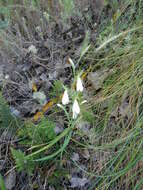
x=79, y=86
x=65, y=98
x=75, y=109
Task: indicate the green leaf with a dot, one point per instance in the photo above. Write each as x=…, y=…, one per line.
x=6, y=118
x=2, y=185
x=56, y=89
x=22, y=163
x=41, y=133
x=85, y=47
x=68, y=8
x=63, y=147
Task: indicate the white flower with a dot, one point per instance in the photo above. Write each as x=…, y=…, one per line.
x=65, y=98
x=32, y=49
x=75, y=109
x=6, y=76
x=79, y=86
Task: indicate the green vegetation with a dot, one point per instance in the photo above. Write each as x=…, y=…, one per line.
x=2, y=185
x=114, y=112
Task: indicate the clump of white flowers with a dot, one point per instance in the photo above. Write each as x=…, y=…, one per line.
x=65, y=97
x=32, y=49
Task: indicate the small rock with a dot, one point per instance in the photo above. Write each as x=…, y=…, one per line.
x=78, y=182
x=75, y=157
x=10, y=180
x=43, y=77
x=25, y=67
x=58, y=128
x=86, y=154
x=84, y=126
x=40, y=97
x=14, y=111
x=97, y=78
x=40, y=70
x=53, y=75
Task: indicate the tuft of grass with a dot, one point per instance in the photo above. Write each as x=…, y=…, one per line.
x=68, y=9
x=116, y=110
x=117, y=131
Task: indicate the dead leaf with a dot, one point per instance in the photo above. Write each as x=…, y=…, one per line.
x=34, y=87
x=37, y=116
x=47, y=106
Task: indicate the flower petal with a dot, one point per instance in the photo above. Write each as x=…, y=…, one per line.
x=79, y=86
x=65, y=98
x=75, y=109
